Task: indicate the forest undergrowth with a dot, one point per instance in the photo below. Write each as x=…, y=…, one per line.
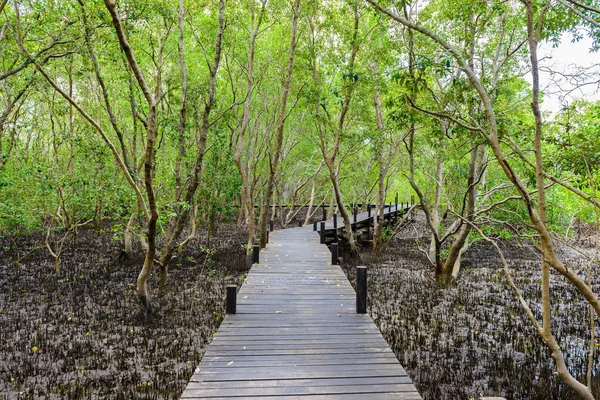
x=474, y=338
x=80, y=336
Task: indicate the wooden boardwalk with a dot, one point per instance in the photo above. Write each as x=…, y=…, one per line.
x=296, y=334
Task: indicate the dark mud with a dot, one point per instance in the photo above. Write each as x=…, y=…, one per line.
x=81, y=336
x=474, y=339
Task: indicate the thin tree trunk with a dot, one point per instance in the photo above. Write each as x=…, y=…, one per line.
x=182, y=110
x=247, y=198
x=151, y=136
x=435, y=210
x=311, y=202
x=280, y=127
x=177, y=223
x=111, y=115
x=383, y=165
x=330, y=159
x=450, y=264
x=128, y=240
x=331, y=209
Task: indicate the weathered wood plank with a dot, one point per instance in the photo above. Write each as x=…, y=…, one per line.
x=370, y=381
x=361, y=396
x=299, y=390
x=268, y=375
x=226, y=362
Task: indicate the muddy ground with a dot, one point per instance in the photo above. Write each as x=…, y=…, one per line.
x=80, y=336
x=474, y=339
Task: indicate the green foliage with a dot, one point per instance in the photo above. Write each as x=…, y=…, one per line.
x=47, y=147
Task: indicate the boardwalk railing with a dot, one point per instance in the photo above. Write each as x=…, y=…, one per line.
x=332, y=229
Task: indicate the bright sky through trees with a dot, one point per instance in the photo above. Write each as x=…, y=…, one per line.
x=569, y=57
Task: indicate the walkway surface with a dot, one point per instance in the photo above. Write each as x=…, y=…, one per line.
x=296, y=334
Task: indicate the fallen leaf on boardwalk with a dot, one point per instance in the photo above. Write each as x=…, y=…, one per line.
x=230, y=362
x=277, y=312
x=246, y=297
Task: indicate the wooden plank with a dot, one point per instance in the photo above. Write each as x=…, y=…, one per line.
x=294, y=346
x=370, y=381
x=289, y=352
x=226, y=362
x=296, y=337
x=361, y=396
x=317, y=358
x=297, y=370
x=363, y=340
x=268, y=375
x=299, y=390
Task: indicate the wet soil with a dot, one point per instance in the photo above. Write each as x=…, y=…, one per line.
x=474, y=339
x=81, y=335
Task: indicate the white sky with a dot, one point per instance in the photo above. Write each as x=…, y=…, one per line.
x=571, y=58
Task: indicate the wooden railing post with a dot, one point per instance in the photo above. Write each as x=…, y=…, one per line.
x=324, y=214
x=256, y=254
x=271, y=225
x=335, y=225
x=231, y=303
x=315, y=227
x=322, y=232
x=361, y=290
x=368, y=221
x=334, y=254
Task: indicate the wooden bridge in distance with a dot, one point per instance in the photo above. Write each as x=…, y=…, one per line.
x=296, y=333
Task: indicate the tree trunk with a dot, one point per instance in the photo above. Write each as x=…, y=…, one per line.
x=435, y=210
x=128, y=239
x=280, y=127
x=331, y=209
x=379, y=214
x=475, y=170
x=247, y=198
x=151, y=136
x=311, y=201
x=341, y=208
x=177, y=223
